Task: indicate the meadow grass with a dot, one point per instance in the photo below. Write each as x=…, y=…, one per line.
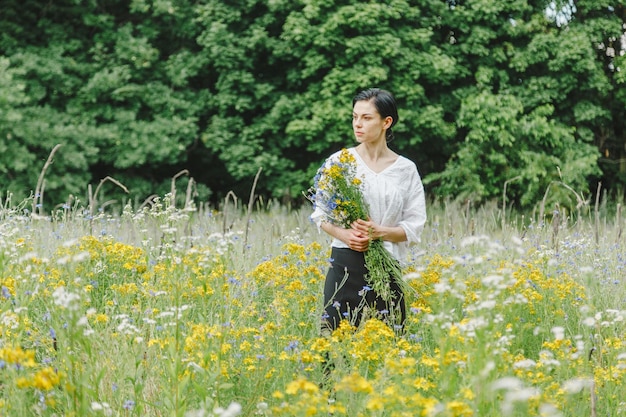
x=167, y=312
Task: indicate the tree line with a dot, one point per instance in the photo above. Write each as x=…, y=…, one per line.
x=518, y=96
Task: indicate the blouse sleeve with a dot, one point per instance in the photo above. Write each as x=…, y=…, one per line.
x=413, y=216
x=318, y=216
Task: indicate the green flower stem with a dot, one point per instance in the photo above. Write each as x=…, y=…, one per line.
x=383, y=269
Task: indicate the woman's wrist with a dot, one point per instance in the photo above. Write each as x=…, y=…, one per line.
x=392, y=234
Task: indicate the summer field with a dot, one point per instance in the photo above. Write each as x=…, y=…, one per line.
x=168, y=312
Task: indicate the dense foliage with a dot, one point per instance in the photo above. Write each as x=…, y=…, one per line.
x=528, y=93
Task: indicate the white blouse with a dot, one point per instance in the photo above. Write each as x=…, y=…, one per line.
x=395, y=197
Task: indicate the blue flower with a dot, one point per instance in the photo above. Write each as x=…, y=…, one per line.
x=293, y=345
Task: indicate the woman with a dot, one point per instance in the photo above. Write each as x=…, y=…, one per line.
x=393, y=191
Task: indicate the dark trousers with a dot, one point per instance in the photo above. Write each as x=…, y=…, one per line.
x=347, y=297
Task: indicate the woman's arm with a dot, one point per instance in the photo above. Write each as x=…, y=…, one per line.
x=355, y=239
x=393, y=234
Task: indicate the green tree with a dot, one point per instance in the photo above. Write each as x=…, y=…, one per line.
x=338, y=48
x=140, y=90
x=110, y=84
x=245, y=127
x=16, y=160
x=536, y=99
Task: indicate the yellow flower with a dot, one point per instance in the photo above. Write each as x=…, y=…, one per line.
x=355, y=383
x=321, y=344
x=468, y=394
x=101, y=318
x=9, y=283
x=459, y=409
x=18, y=356
x=45, y=379
x=454, y=356
x=431, y=362
x=307, y=357
x=345, y=157
x=375, y=403
x=301, y=386
x=422, y=383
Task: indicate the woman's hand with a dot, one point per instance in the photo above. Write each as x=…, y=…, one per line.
x=367, y=228
x=375, y=231
x=355, y=239
x=362, y=232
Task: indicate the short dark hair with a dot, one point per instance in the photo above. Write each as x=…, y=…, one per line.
x=384, y=102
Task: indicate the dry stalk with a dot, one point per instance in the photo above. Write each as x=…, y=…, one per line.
x=250, y=203
x=543, y=203
x=469, y=221
x=231, y=195
x=6, y=204
x=148, y=200
x=597, y=214
x=92, y=198
x=506, y=183
x=592, y=387
x=593, y=398
x=188, y=205
x=38, y=200
x=620, y=222
x=173, y=187
x=580, y=202
x=189, y=194
x=556, y=219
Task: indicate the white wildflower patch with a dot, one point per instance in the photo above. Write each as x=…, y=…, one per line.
x=70, y=243
x=525, y=364
x=127, y=327
x=9, y=320
x=522, y=395
x=507, y=383
x=468, y=327
x=576, y=385
x=442, y=287
x=490, y=366
x=492, y=280
x=515, y=299
x=65, y=299
x=233, y=410
x=549, y=410
x=412, y=275
x=102, y=407
x=589, y=321
x=76, y=258
x=29, y=256
x=548, y=360
x=558, y=332
x=475, y=240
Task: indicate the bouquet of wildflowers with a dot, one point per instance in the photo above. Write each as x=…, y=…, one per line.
x=337, y=191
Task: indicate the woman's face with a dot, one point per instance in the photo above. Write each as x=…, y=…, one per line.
x=368, y=125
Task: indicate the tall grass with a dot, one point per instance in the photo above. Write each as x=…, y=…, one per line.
x=162, y=311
